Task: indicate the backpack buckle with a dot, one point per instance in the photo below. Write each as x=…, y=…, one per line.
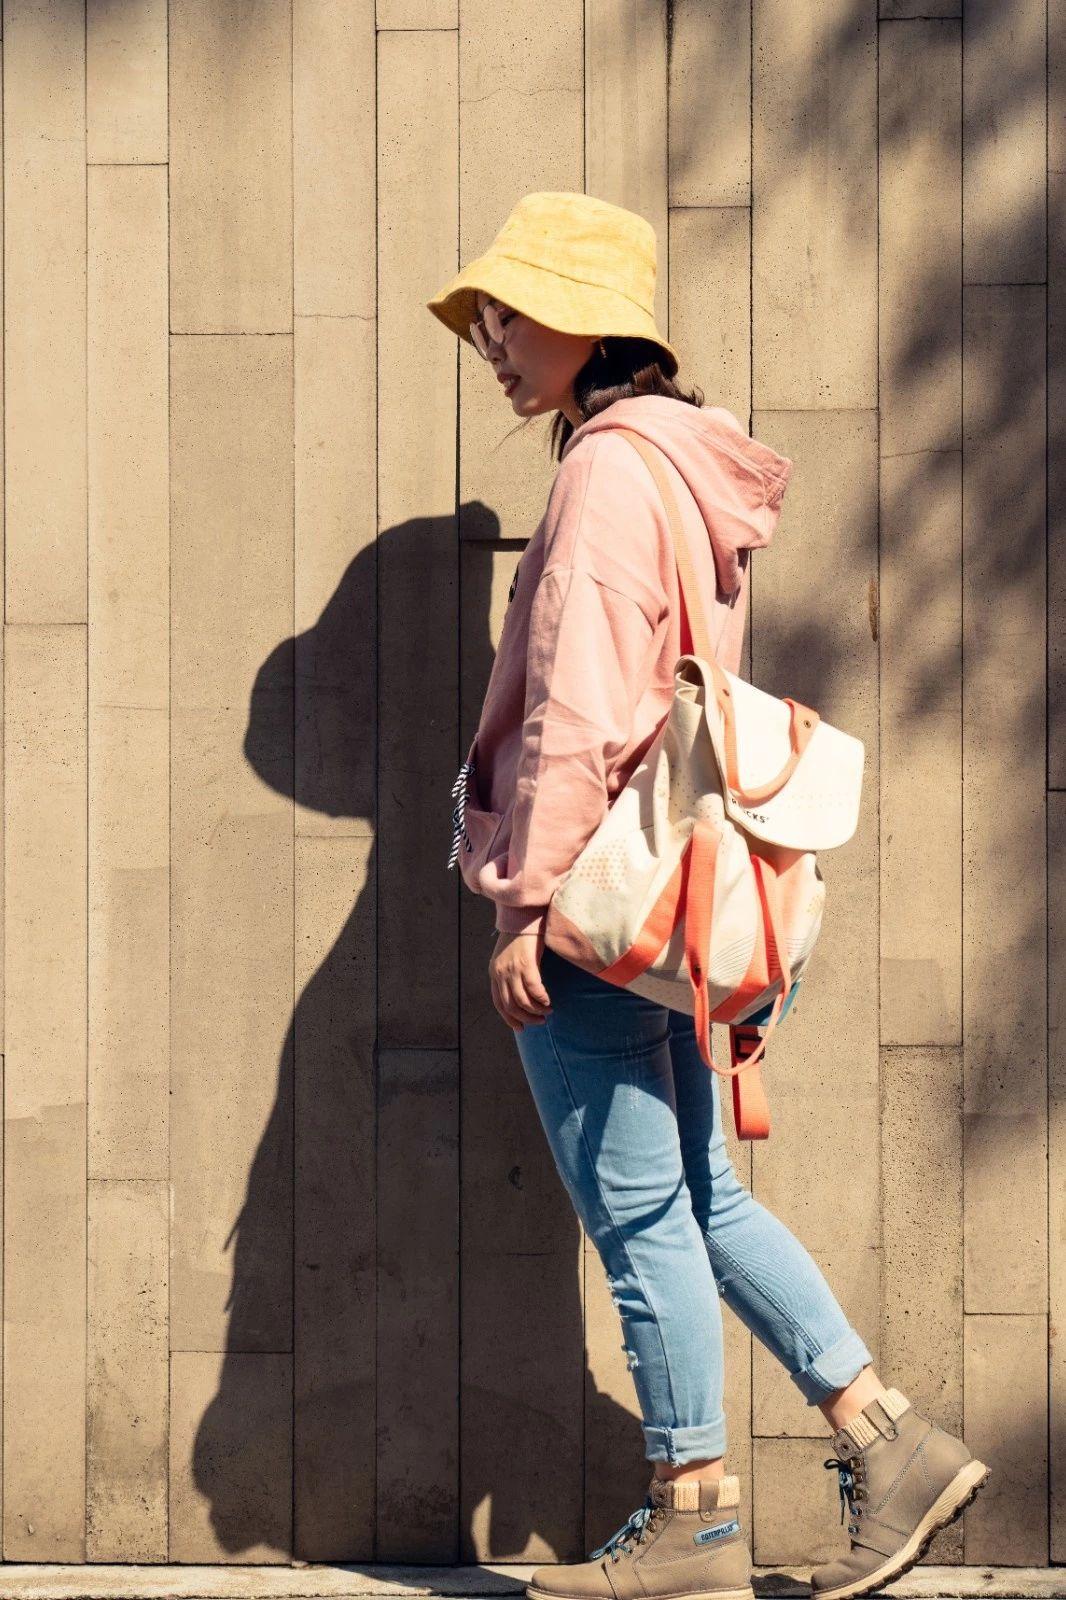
x=744, y=1040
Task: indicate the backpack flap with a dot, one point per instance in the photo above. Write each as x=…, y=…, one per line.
x=817, y=807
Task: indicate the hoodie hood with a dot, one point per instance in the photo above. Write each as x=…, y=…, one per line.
x=736, y=481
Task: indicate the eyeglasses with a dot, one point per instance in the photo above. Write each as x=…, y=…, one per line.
x=489, y=326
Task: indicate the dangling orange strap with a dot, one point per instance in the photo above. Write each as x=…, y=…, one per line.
x=751, y=1109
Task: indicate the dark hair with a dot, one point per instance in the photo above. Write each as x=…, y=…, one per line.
x=629, y=367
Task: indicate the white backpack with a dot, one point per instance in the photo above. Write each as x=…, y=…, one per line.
x=700, y=888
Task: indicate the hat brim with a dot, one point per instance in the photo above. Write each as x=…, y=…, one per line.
x=564, y=304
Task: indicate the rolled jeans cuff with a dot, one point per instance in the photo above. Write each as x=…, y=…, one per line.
x=705, y=1442
x=833, y=1368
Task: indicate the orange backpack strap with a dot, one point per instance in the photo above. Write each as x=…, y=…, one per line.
x=690, y=892
x=751, y=1113
x=659, y=924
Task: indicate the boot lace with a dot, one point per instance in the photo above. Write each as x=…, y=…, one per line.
x=852, y=1486
x=633, y=1529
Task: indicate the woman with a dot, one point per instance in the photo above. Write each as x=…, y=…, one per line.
x=561, y=306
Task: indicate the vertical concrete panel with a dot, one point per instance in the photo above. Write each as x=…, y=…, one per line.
x=709, y=113
x=129, y=691
x=44, y=1106
x=126, y=80
x=418, y=649
x=1056, y=777
x=336, y=575
x=814, y=227
x=522, y=128
x=232, y=844
x=44, y=311
x=811, y=638
x=1005, y=153
x=230, y=167
x=335, y=657
x=230, y=1457
x=625, y=153
x=919, y=596
x=3, y=1297
x=922, y=1235
x=336, y=1199
x=1004, y=728
x=127, y=1370
x=1056, y=409
x=334, y=103
x=129, y=865
x=3, y=818
x=920, y=188
x=1056, y=544
x=710, y=305
x=1057, y=1169
x=417, y=173
x=418, y=1305
x=1006, y=1427
x=919, y=622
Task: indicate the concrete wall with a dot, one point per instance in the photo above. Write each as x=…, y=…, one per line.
x=287, y=1268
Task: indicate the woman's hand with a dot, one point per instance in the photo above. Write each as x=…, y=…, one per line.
x=514, y=971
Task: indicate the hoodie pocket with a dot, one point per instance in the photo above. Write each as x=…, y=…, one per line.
x=474, y=828
x=481, y=828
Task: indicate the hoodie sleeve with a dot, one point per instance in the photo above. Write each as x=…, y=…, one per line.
x=588, y=657
x=587, y=646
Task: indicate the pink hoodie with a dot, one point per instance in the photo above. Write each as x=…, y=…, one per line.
x=584, y=670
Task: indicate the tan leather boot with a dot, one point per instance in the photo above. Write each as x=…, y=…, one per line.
x=903, y=1479
x=685, y=1540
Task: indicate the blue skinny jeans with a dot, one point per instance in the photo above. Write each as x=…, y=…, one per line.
x=633, y=1118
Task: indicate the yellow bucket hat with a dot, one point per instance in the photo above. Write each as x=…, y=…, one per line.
x=570, y=261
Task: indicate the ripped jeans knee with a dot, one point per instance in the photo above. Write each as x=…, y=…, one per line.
x=632, y=1359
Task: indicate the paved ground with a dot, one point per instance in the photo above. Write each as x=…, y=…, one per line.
x=49, y=1581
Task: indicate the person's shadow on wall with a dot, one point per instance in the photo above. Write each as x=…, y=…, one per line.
x=403, y=1216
